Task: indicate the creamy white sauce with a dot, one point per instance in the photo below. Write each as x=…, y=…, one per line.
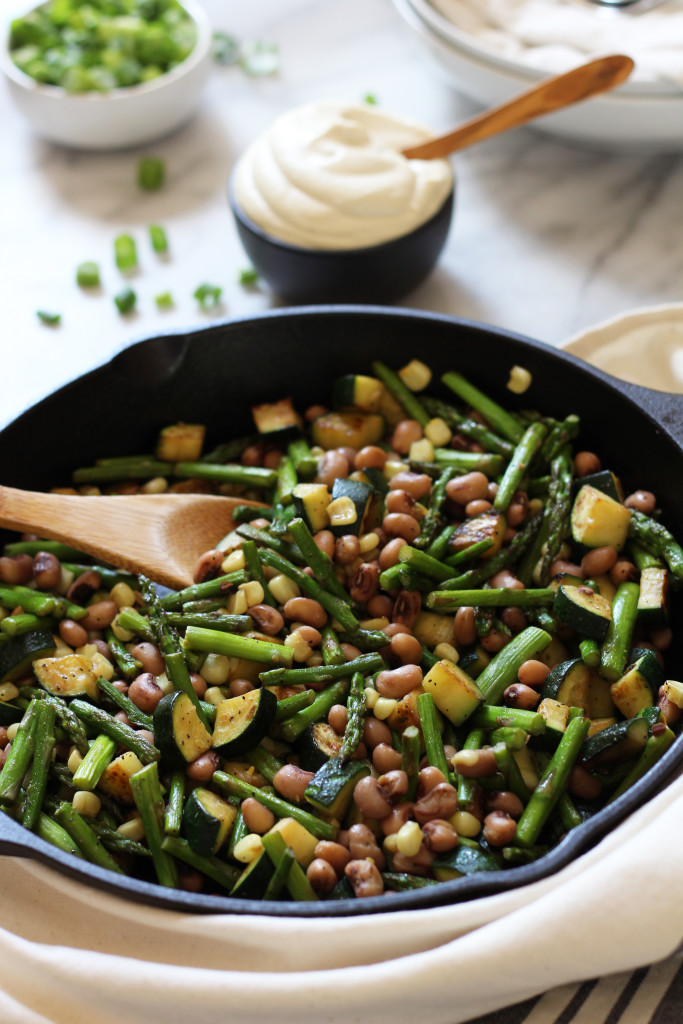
x=331, y=176
x=555, y=35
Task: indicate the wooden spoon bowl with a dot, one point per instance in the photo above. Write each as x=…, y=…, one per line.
x=160, y=535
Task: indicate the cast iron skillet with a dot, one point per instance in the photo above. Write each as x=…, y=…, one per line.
x=213, y=376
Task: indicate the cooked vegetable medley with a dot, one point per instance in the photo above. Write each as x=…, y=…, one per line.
x=434, y=649
x=98, y=45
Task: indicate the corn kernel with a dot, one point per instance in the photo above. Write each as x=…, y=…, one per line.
x=368, y=542
x=157, y=485
x=422, y=451
x=379, y=623
x=248, y=849
x=234, y=561
x=214, y=694
x=390, y=844
x=438, y=432
x=447, y=652
x=535, y=506
x=674, y=692
x=314, y=660
x=465, y=824
x=409, y=839
x=86, y=803
x=164, y=683
x=8, y=691
x=371, y=697
x=415, y=375
x=282, y=588
x=75, y=758
x=133, y=829
x=392, y=467
x=237, y=603
x=384, y=706
x=124, y=635
x=359, y=476
x=301, y=651
x=122, y=595
x=216, y=669
x=519, y=380
x=342, y=512
x=253, y=591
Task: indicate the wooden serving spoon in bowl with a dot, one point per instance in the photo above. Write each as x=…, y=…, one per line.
x=551, y=94
x=160, y=535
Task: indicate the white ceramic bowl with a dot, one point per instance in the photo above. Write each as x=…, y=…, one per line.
x=639, y=116
x=644, y=346
x=126, y=116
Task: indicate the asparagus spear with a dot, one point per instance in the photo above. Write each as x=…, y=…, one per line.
x=497, y=417
x=655, y=538
x=150, y=803
x=433, y=521
x=42, y=752
x=410, y=403
x=468, y=427
x=281, y=808
x=84, y=837
x=429, y=723
x=355, y=707
x=523, y=454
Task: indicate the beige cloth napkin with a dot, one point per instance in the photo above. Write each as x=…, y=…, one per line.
x=72, y=955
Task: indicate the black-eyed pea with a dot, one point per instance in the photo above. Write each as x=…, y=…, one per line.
x=439, y=835
x=499, y=829
x=291, y=782
x=370, y=799
x=257, y=818
x=440, y=802
x=365, y=878
x=322, y=876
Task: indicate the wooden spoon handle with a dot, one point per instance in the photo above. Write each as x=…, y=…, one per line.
x=551, y=94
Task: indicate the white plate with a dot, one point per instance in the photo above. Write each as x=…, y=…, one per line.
x=644, y=346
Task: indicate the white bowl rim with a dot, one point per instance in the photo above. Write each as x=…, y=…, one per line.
x=124, y=92
x=451, y=35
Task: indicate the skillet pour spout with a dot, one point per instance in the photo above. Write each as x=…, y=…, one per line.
x=213, y=378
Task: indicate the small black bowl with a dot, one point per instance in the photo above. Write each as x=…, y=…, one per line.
x=377, y=273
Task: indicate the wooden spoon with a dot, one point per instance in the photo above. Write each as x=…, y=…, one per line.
x=160, y=535
x=551, y=94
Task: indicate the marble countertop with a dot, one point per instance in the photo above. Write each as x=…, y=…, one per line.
x=547, y=239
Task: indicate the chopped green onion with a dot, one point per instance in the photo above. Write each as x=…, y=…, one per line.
x=164, y=300
x=259, y=59
x=208, y=295
x=157, y=237
x=48, y=318
x=370, y=99
x=248, y=276
x=226, y=49
x=125, y=300
x=151, y=173
x=125, y=252
x=88, y=274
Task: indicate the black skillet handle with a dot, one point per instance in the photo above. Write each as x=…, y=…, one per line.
x=665, y=408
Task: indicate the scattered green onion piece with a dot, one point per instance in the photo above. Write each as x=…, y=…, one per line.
x=125, y=252
x=208, y=295
x=158, y=238
x=259, y=59
x=247, y=275
x=50, y=319
x=88, y=275
x=226, y=49
x=164, y=300
x=151, y=172
x=125, y=300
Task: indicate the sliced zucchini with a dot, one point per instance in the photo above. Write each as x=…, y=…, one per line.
x=179, y=733
x=277, y=421
x=181, y=442
x=310, y=502
x=606, y=481
x=360, y=495
x=464, y=860
x=207, y=821
x=635, y=690
x=253, y=881
x=115, y=779
x=575, y=684
x=242, y=722
x=619, y=742
x=653, y=598
x=317, y=745
x=565, y=579
x=377, y=480
x=354, y=391
x=598, y=520
x=347, y=429
x=72, y=675
x=455, y=693
x=301, y=842
x=487, y=526
x=331, y=788
x=555, y=713
x=19, y=652
x=605, y=586
x=474, y=661
x=432, y=629
x=587, y=613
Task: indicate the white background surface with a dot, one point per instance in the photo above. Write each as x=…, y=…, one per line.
x=546, y=239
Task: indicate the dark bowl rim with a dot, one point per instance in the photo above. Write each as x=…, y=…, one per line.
x=15, y=839
x=328, y=254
